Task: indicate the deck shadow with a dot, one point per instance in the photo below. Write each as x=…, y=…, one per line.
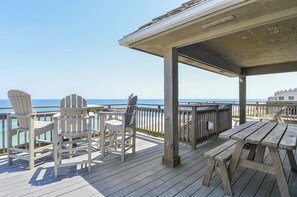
x=45, y=175
x=21, y=165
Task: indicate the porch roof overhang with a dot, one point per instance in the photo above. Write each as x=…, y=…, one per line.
x=229, y=37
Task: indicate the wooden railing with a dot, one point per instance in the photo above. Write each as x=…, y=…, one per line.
x=209, y=119
x=260, y=110
x=149, y=119
x=206, y=120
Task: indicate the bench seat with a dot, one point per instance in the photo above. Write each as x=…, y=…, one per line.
x=219, y=156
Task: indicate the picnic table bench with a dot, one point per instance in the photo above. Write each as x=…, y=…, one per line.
x=260, y=135
x=219, y=156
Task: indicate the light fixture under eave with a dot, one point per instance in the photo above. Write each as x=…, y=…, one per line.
x=217, y=22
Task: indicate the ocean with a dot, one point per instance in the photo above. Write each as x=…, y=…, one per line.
x=55, y=102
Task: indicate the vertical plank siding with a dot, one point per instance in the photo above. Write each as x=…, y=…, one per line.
x=151, y=121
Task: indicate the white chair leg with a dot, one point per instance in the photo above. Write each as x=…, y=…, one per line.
x=9, y=139
x=70, y=147
x=114, y=138
x=31, y=144
x=102, y=142
x=133, y=140
x=56, y=147
x=89, y=151
x=60, y=147
x=9, y=145
x=90, y=144
x=56, y=161
x=123, y=146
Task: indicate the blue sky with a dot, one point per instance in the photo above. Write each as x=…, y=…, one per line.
x=52, y=48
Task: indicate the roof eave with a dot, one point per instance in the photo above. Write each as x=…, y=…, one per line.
x=177, y=20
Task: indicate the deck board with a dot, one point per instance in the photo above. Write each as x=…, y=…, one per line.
x=104, y=171
x=141, y=175
x=149, y=179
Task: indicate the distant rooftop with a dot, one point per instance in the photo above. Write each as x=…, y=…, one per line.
x=173, y=12
x=289, y=90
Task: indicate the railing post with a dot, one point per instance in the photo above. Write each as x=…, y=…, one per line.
x=230, y=116
x=3, y=132
x=136, y=118
x=101, y=123
x=9, y=138
x=257, y=109
x=217, y=121
x=193, y=127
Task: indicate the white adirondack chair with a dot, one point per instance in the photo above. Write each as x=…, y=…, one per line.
x=22, y=106
x=73, y=126
x=121, y=128
x=276, y=117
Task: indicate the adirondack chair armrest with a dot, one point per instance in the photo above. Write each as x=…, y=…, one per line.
x=42, y=113
x=57, y=115
x=112, y=113
x=116, y=110
x=60, y=118
x=13, y=115
x=35, y=114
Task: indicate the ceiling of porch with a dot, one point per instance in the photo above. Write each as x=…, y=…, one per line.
x=252, y=37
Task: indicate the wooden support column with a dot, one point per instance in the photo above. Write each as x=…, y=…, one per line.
x=242, y=99
x=171, y=157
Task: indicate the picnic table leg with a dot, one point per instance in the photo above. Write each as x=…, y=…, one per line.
x=260, y=154
x=209, y=170
x=292, y=160
x=225, y=177
x=235, y=157
x=279, y=172
x=252, y=152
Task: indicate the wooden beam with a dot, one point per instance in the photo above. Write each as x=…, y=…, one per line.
x=194, y=53
x=257, y=166
x=242, y=99
x=171, y=157
x=272, y=68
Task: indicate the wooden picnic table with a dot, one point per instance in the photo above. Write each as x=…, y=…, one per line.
x=259, y=135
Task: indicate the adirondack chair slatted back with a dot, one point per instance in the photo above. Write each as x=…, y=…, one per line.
x=129, y=98
x=73, y=113
x=278, y=115
x=130, y=110
x=22, y=105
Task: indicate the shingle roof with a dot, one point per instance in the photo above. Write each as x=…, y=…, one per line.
x=173, y=12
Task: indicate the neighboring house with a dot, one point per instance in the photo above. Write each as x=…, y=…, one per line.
x=284, y=95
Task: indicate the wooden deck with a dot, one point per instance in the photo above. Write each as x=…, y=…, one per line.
x=141, y=175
